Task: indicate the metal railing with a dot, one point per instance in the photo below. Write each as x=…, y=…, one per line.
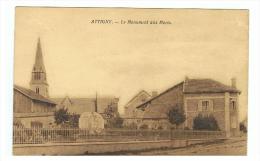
x=73, y=135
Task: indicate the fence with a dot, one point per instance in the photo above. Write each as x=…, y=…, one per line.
x=72, y=135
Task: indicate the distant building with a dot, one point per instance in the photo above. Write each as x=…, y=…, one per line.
x=81, y=105
x=196, y=96
x=32, y=107
x=132, y=115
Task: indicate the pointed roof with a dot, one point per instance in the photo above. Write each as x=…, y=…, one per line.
x=39, y=65
x=79, y=105
x=32, y=95
x=142, y=92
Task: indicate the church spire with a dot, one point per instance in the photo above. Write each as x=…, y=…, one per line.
x=39, y=77
x=39, y=65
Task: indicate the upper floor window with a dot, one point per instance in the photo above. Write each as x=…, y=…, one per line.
x=205, y=105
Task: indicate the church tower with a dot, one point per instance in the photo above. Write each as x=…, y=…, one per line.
x=39, y=79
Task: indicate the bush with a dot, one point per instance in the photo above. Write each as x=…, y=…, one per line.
x=160, y=128
x=132, y=125
x=176, y=115
x=205, y=123
x=242, y=127
x=114, y=122
x=144, y=126
x=65, y=119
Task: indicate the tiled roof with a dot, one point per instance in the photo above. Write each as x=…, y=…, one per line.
x=80, y=105
x=206, y=86
x=198, y=86
x=32, y=95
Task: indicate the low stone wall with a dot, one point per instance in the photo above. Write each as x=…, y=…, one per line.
x=100, y=147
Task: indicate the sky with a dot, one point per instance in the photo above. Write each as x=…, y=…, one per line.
x=82, y=58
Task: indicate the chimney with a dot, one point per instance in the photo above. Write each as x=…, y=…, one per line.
x=234, y=82
x=186, y=77
x=154, y=93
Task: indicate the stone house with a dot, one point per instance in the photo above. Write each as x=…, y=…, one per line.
x=197, y=96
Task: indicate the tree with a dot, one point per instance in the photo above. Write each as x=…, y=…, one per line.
x=64, y=118
x=73, y=120
x=205, y=123
x=111, y=111
x=176, y=115
x=113, y=119
x=61, y=116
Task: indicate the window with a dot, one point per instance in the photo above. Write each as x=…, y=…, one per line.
x=233, y=105
x=37, y=76
x=37, y=90
x=36, y=124
x=205, y=105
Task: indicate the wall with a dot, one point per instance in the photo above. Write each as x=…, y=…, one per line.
x=100, y=148
x=46, y=119
x=131, y=107
x=38, y=106
x=192, y=104
x=171, y=97
x=21, y=102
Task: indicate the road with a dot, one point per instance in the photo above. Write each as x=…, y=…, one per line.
x=230, y=147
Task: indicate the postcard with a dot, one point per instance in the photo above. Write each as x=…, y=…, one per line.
x=130, y=81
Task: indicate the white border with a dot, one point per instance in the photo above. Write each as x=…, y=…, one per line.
x=6, y=68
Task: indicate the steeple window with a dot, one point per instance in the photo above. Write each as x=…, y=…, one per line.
x=37, y=90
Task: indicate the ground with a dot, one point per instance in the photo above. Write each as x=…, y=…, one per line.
x=236, y=146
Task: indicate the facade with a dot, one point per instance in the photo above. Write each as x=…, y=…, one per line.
x=132, y=115
x=32, y=107
x=197, y=96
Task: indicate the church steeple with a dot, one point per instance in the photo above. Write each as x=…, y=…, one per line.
x=39, y=58
x=39, y=79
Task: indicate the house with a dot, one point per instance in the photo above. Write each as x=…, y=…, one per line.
x=31, y=109
x=196, y=96
x=132, y=115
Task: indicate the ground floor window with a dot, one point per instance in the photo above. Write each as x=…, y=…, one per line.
x=36, y=124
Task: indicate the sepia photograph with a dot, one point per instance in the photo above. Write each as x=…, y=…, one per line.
x=130, y=81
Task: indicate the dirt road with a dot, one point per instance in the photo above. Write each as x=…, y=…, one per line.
x=230, y=147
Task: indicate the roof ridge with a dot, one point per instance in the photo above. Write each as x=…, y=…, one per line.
x=141, y=91
x=40, y=97
x=216, y=86
x=167, y=90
